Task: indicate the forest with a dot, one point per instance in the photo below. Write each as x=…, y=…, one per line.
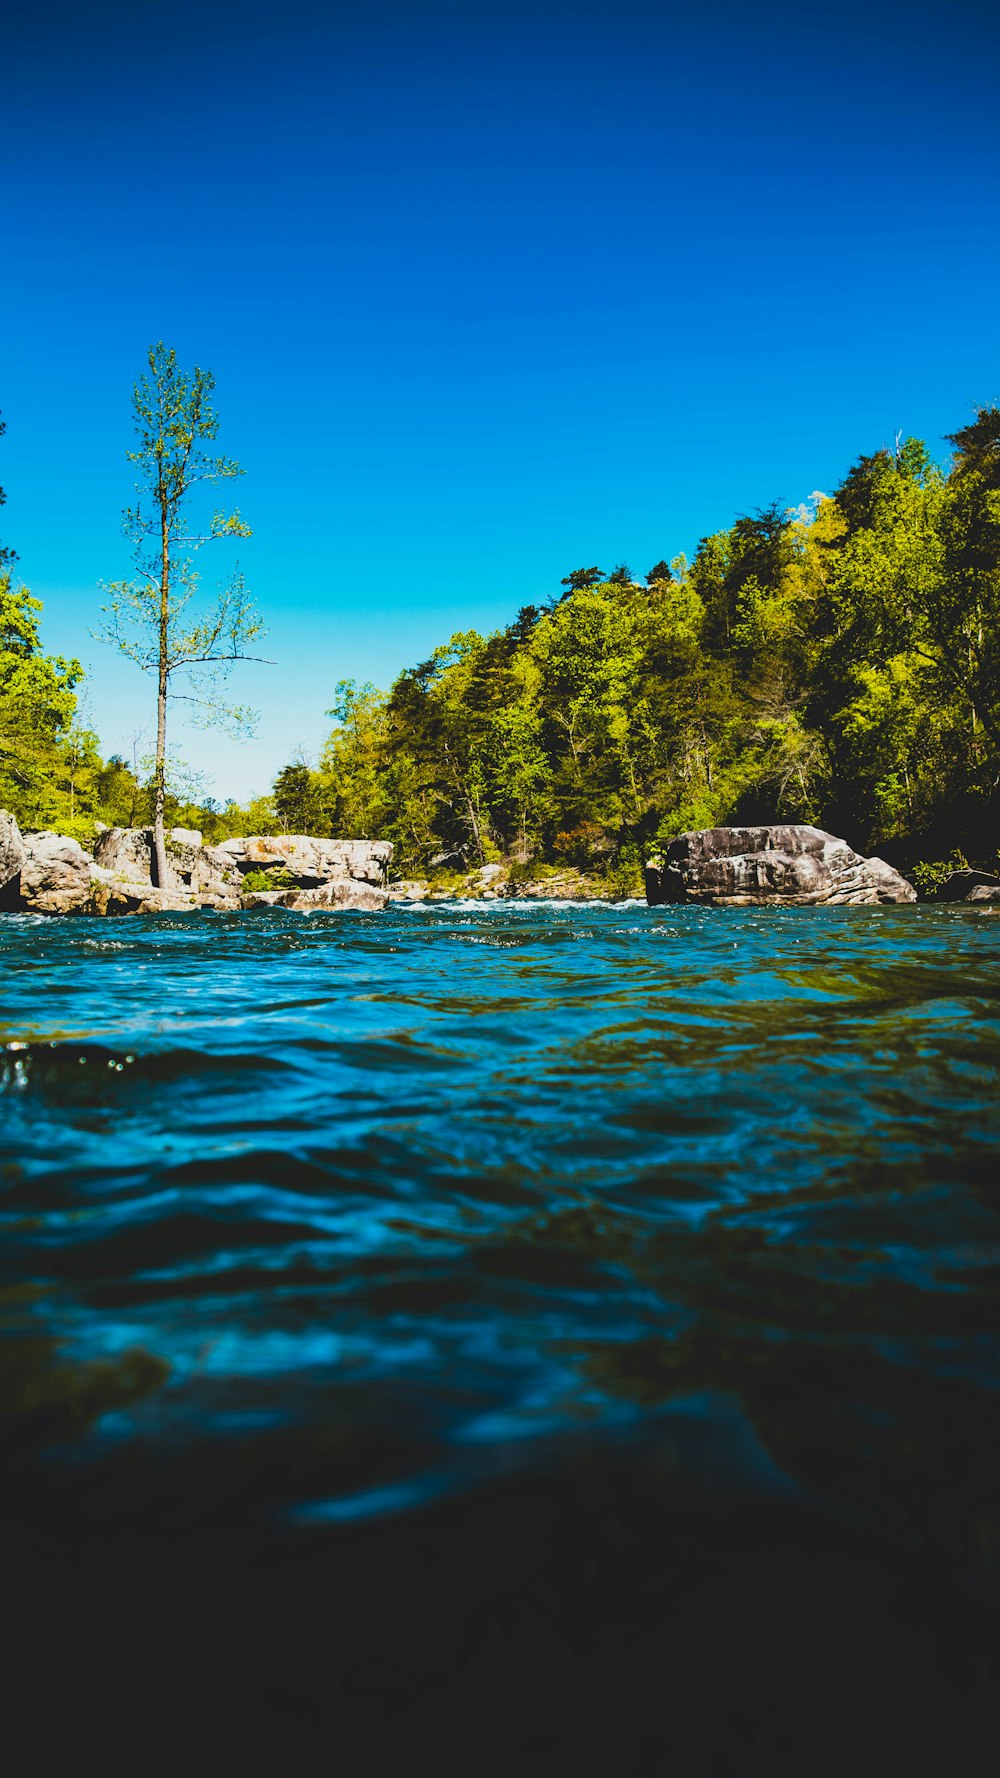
x=835, y=663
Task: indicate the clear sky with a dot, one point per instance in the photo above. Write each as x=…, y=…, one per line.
x=489, y=291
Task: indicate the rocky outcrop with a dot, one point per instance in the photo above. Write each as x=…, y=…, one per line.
x=310, y=861
x=12, y=856
x=205, y=872
x=55, y=875
x=48, y=873
x=787, y=866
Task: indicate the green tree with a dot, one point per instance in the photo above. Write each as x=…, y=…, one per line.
x=302, y=804
x=148, y=617
x=659, y=571
x=580, y=578
x=37, y=709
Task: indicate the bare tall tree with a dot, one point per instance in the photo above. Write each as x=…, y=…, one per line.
x=7, y=555
x=148, y=617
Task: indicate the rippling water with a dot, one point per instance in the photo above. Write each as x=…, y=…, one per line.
x=467, y=1314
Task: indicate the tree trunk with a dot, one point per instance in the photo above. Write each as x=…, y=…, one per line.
x=160, y=787
x=160, y=772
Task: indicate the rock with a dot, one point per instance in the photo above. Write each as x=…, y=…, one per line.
x=311, y=861
x=408, y=889
x=362, y=896
x=12, y=856
x=47, y=873
x=488, y=873
x=567, y=885
x=984, y=892
x=113, y=895
x=449, y=860
x=788, y=866
x=127, y=851
x=55, y=875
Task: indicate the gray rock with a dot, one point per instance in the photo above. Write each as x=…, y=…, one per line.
x=408, y=889
x=50, y=874
x=311, y=861
x=126, y=852
x=984, y=892
x=789, y=866
x=55, y=875
x=349, y=894
x=113, y=895
x=12, y=856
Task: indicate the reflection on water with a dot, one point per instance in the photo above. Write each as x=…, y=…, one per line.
x=580, y=1319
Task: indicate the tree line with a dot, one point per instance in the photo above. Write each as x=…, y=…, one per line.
x=837, y=663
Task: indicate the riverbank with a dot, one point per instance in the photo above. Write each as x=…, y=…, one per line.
x=518, y=882
x=42, y=872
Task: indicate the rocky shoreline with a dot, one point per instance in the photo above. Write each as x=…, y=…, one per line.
x=48, y=873
x=790, y=866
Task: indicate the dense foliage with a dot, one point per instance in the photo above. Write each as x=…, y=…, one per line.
x=837, y=663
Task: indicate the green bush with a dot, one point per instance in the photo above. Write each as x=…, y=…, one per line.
x=257, y=881
x=531, y=871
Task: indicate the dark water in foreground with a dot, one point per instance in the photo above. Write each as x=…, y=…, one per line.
x=504, y=1339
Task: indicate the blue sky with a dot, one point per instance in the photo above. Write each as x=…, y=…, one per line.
x=488, y=291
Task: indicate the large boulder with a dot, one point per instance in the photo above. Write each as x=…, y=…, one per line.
x=55, y=875
x=12, y=856
x=788, y=866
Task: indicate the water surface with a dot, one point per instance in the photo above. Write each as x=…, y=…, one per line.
x=642, y=1264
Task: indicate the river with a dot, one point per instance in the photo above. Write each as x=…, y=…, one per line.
x=504, y=1338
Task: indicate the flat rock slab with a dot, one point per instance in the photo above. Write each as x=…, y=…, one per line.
x=362, y=896
x=793, y=866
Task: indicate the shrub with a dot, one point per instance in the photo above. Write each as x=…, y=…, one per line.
x=257, y=880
